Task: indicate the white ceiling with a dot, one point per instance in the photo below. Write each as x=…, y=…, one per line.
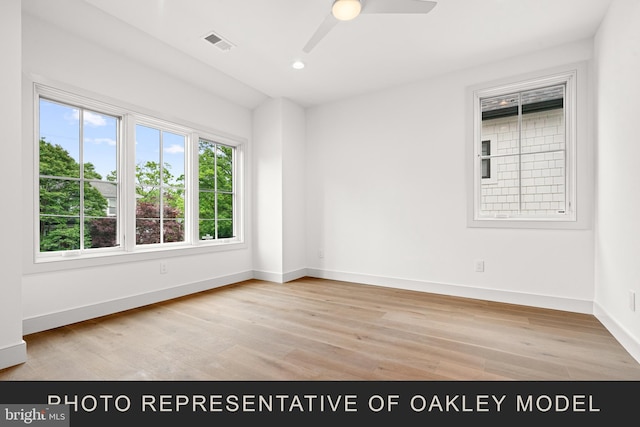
x=369, y=53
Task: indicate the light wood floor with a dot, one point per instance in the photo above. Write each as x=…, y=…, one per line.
x=313, y=329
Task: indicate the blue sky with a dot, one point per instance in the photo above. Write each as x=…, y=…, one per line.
x=60, y=124
x=148, y=148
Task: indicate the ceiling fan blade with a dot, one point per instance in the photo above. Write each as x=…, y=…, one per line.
x=398, y=6
x=324, y=28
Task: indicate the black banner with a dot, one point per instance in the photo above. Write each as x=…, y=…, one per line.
x=208, y=403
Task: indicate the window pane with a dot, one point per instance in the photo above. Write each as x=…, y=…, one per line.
x=543, y=183
x=101, y=232
x=173, y=230
x=147, y=231
x=207, y=229
x=225, y=206
x=147, y=215
x=207, y=165
x=100, y=209
x=207, y=215
x=501, y=196
x=225, y=168
x=59, y=140
x=59, y=197
x=173, y=218
x=225, y=229
x=147, y=155
x=500, y=106
x=500, y=136
x=174, y=197
x=59, y=233
x=543, y=127
x=59, y=215
x=148, y=194
x=486, y=148
x=95, y=203
x=173, y=158
x=108, y=191
x=207, y=205
x=100, y=146
x=486, y=168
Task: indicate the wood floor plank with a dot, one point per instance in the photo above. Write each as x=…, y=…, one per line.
x=317, y=329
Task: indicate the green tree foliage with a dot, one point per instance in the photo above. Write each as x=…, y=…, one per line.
x=148, y=185
x=60, y=205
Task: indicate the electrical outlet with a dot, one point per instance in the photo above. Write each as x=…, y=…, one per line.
x=632, y=300
x=163, y=268
x=479, y=265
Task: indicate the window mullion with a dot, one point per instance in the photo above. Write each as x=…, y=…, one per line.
x=161, y=188
x=128, y=184
x=215, y=190
x=191, y=171
x=81, y=218
x=521, y=196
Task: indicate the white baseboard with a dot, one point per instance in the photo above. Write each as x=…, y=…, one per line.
x=268, y=276
x=533, y=300
x=628, y=341
x=279, y=277
x=13, y=355
x=67, y=317
x=294, y=275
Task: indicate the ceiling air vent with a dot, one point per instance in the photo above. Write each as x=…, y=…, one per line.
x=219, y=42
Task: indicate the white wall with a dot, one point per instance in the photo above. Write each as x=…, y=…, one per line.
x=618, y=176
x=279, y=251
x=60, y=296
x=294, y=191
x=12, y=347
x=267, y=185
x=387, y=198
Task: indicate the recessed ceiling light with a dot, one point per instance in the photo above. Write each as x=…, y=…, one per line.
x=298, y=65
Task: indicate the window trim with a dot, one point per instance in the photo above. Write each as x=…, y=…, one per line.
x=129, y=116
x=70, y=99
x=578, y=148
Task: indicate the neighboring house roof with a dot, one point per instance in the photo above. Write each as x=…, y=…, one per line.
x=548, y=98
x=528, y=97
x=109, y=190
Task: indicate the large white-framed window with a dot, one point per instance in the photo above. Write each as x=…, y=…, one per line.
x=524, y=151
x=112, y=181
x=78, y=184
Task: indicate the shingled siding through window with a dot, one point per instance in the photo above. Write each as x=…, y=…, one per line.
x=530, y=178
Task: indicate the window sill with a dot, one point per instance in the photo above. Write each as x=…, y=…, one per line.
x=528, y=223
x=115, y=257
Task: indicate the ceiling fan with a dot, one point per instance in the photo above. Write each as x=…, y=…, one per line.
x=346, y=10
